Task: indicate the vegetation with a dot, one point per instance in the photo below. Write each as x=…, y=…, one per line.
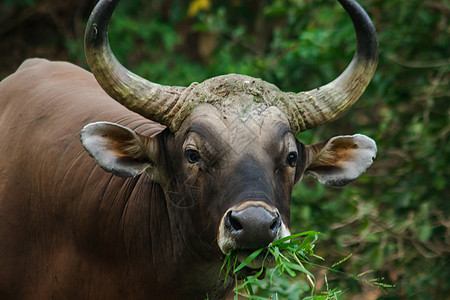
x=287, y=257
x=395, y=219
x=288, y=254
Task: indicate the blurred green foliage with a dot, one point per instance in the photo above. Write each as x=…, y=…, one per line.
x=396, y=218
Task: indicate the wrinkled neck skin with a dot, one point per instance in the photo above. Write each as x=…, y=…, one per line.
x=237, y=165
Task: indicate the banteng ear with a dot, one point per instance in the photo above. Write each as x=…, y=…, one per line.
x=117, y=149
x=341, y=160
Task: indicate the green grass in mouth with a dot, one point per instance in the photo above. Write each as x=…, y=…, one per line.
x=288, y=255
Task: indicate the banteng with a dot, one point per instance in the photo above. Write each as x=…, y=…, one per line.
x=173, y=177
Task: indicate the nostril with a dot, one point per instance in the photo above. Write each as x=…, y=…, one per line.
x=275, y=224
x=232, y=223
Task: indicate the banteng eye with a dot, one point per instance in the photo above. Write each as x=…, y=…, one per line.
x=192, y=156
x=291, y=159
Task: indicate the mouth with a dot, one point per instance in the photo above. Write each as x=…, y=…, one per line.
x=244, y=262
x=246, y=272
x=263, y=259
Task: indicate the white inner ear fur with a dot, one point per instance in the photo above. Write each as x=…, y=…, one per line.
x=117, y=149
x=342, y=159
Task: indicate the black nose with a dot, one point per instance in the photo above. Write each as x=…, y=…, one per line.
x=252, y=227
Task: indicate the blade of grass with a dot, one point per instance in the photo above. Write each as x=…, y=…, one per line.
x=291, y=237
x=248, y=260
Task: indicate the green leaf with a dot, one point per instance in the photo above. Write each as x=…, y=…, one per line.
x=250, y=258
x=292, y=237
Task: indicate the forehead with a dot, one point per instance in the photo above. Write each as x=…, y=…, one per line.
x=209, y=120
x=216, y=119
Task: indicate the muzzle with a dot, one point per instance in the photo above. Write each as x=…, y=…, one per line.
x=249, y=226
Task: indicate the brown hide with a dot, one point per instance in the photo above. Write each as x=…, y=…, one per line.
x=66, y=226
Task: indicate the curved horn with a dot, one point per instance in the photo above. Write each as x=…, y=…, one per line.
x=153, y=101
x=312, y=108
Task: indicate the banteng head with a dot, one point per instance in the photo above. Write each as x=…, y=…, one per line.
x=229, y=157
